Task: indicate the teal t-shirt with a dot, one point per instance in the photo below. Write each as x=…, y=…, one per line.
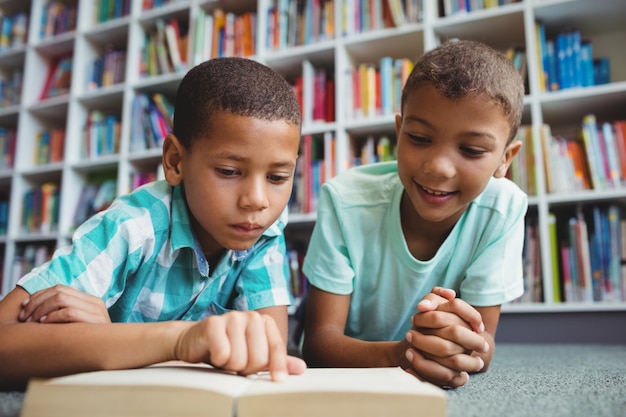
x=357, y=247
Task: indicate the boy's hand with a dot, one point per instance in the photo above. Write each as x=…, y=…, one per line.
x=445, y=334
x=244, y=342
x=63, y=304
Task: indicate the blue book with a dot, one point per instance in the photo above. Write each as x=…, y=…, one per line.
x=574, y=256
x=601, y=71
x=386, y=85
x=575, y=65
x=586, y=64
x=561, y=54
x=551, y=65
x=614, y=288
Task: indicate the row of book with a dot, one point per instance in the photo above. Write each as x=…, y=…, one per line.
x=96, y=195
x=101, y=134
x=13, y=30
x=165, y=48
x=375, y=90
x=152, y=117
x=314, y=166
x=57, y=17
x=522, y=170
x=8, y=141
x=295, y=23
x=223, y=34
x=4, y=217
x=315, y=91
x=107, y=10
x=359, y=16
x=108, y=69
x=152, y=4
x=588, y=256
x=58, y=79
x=41, y=209
x=317, y=163
x=373, y=150
x=11, y=88
x=452, y=7
x=590, y=252
x=593, y=160
x=567, y=61
x=49, y=146
x=29, y=256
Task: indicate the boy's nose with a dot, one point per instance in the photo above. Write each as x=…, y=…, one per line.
x=439, y=166
x=254, y=195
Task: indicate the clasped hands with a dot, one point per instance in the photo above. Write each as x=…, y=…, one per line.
x=445, y=341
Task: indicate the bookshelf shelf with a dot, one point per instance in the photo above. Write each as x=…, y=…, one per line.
x=508, y=26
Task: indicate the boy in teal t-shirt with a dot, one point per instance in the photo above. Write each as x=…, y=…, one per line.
x=441, y=221
x=174, y=270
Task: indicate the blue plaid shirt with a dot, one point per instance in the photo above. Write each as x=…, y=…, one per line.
x=140, y=256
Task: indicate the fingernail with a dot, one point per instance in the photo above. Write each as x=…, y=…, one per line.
x=408, y=336
x=43, y=318
x=481, y=328
x=486, y=348
x=279, y=376
x=25, y=301
x=482, y=363
x=409, y=355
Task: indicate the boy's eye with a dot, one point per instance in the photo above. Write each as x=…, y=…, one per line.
x=473, y=151
x=418, y=139
x=226, y=172
x=277, y=178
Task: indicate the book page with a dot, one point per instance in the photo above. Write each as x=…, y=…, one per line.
x=343, y=392
x=172, y=374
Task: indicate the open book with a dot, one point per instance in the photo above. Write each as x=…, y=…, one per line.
x=181, y=390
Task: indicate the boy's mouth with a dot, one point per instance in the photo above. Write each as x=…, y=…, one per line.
x=435, y=192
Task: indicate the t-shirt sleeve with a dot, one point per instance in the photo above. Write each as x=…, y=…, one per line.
x=101, y=248
x=327, y=264
x=495, y=276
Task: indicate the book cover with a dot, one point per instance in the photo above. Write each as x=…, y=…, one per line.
x=592, y=147
x=554, y=259
x=181, y=389
x=614, y=288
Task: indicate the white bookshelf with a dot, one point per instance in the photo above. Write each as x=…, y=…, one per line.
x=601, y=21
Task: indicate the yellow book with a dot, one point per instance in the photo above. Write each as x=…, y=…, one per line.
x=181, y=389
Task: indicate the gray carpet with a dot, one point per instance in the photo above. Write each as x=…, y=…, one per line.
x=546, y=380
x=524, y=381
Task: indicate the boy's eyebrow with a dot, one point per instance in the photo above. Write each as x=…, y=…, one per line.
x=486, y=135
x=240, y=158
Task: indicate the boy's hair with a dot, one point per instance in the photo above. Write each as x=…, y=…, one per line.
x=240, y=86
x=461, y=68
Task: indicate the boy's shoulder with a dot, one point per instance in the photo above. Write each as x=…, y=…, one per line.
x=503, y=195
x=368, y=183
x=370, y=173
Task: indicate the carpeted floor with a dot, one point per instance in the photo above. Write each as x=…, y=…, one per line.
x=525, y=380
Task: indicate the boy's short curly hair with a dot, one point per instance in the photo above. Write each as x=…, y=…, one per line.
x=461, y=68
x=239, y=86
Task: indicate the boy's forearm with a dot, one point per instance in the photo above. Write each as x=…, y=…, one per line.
x=344, y=351
x=44, y=350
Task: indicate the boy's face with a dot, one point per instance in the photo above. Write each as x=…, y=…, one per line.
x=447, y=152
x=237, y=179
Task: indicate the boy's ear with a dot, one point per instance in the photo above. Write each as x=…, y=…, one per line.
x=172, y=156
x=509, y=153
x=398, y=124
